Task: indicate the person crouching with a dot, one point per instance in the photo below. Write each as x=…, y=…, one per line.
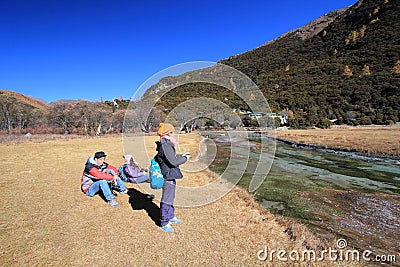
x=99, y=175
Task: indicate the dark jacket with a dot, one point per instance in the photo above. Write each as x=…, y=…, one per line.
x=169, y=160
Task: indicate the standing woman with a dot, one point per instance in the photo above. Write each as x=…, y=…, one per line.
x=169, y=163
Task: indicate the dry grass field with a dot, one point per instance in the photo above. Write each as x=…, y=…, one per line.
x=374, y=139
x=47, y=221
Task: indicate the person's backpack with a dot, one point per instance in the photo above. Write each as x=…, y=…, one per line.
x=122, y=175
x=156, y=177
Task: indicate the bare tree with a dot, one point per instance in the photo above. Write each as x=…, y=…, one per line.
x=186, y=119
x=60, y=115
x=153, y=120
x=6, y=108
x=143, y=116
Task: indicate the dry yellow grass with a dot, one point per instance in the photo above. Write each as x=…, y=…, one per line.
x=376, y=140
x=47, y=221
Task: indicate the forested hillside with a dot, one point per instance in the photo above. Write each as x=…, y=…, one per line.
x=342, y=67
x=348, y=70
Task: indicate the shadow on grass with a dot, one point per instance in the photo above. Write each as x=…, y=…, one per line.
x=140, y=201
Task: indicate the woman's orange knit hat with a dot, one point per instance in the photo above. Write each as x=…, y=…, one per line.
x=165, y=128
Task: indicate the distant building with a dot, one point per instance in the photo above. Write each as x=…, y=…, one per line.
x=255, y=116
x=283, y=117
x=244, y=112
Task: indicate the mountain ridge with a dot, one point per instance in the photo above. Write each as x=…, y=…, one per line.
x=343, y=66
x=348, y=70
x=32, y=101
x=322, y=21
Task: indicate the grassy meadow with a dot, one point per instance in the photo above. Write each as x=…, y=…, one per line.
x=379, y=140
x=47, y=221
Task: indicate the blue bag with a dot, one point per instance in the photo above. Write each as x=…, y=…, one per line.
x=156, y=177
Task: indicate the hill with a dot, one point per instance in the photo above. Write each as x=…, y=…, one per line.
x=24, y=100
x=346, y=68
x=18, y=111
x=343, y=67
x=20, y=114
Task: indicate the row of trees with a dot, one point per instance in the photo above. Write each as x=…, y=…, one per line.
x=77, y=117
x=90, y=118
x=96, y=118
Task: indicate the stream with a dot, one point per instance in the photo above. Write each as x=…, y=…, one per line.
x=336, y=194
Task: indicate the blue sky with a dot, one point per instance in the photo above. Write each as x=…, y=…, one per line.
x=88, y=49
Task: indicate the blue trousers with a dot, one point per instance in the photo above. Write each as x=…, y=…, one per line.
x=140, y=179
x=167, y=209
x=104, y=186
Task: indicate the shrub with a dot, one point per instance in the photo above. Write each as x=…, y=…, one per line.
x=324, y=123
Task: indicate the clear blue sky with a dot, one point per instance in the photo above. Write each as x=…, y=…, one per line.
x=87, y=49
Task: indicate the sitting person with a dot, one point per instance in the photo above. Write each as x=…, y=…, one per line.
x=131, y=172
x=98, y=175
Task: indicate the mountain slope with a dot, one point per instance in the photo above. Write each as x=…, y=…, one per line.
x=343, y=66
x=23, y=99
x=18, y=111
x=345, y=70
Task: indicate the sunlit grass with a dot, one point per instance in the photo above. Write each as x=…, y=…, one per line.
x=47, y=220
x=376, y=140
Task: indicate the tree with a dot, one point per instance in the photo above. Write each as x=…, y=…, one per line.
x=6, y=108
x=365, y=120
x=324, y=123
x=396, y=68
x=365, y=71
x=347, y=71
x=60, y=116
x=81, y=117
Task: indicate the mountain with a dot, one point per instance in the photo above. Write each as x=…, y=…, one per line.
x=23, y=100
x=18, y=111
x=343, y=66
x=346, y=67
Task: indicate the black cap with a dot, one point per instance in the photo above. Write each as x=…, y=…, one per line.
x=99, y=154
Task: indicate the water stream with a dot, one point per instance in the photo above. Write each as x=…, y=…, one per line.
x=337, y=194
